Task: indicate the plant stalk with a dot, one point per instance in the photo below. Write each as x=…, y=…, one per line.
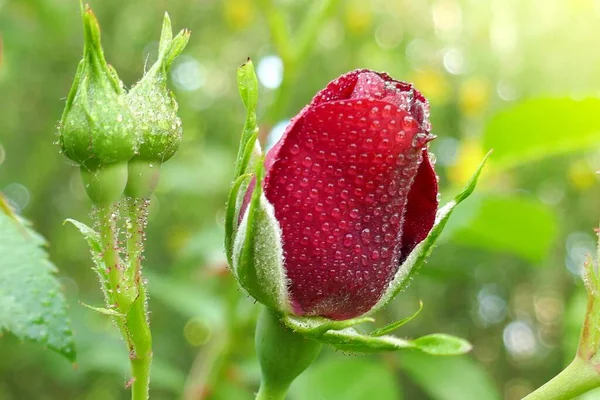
x=138, y=324
x=126, y=290
x=577, y=378
x=269, y=392
x=282, y=353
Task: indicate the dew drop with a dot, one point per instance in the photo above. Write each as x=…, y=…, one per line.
x=348, y=240
x=307, y=162
x=365, y=236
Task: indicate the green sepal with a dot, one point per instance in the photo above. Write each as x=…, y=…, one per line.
x=103, y=310
x=154, y=106
x=91, y=236
x=395, y=325
x=248, y=157
x=257, y=256
x=95, y=245
x=420, y=253
x=232, y=212
x=344, y=336
x=97, y=126
x=316, y=327
x=437, y=344
x=248, y=87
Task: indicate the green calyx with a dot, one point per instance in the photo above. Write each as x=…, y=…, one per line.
x=97, y=126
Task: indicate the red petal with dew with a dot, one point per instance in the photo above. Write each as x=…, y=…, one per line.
x=339, y=181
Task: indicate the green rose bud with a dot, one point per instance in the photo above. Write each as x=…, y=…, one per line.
x=97, y=129
x=155, y=110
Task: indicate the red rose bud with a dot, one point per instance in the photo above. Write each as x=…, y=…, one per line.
x=155, y=109
x=349, y=191
x=97, y=127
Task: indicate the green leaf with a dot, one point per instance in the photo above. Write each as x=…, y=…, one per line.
x=449, y=378
x=341, y=378
x=542, y=127
x=517, y=225
x=395, y=325
x=32, y=305
x=231, y=214
x=440, y=344
x=417, y=257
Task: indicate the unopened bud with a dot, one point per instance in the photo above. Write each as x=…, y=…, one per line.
x=155, y=110
x=97, y=126
x=97, y=129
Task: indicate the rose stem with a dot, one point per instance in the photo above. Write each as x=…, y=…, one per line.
x=138, y=324
x=282, y=354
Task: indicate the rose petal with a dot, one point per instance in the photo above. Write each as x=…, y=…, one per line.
x=421, y=207
x=344, y=88
x=339, y=182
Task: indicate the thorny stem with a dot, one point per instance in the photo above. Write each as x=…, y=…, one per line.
x=140, y=356
x=126, y=291
x=119, y=291
x=137, y=210
x=138, y=325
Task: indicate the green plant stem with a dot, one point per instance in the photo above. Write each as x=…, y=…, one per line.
x=138, y=326
x=126, y=291
x=577, y=378
x=282, y=353
x=119, y=294
x=140, y=358
x=269, y=392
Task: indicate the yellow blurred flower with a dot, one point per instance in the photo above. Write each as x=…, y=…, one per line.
x=474, y=96
x=358, y=16
x=581, y=175
x=469, y=157
x=432, y=84
x=238, y=13
x=178, y=238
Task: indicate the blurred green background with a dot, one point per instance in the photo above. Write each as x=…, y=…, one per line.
x=521, y=77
